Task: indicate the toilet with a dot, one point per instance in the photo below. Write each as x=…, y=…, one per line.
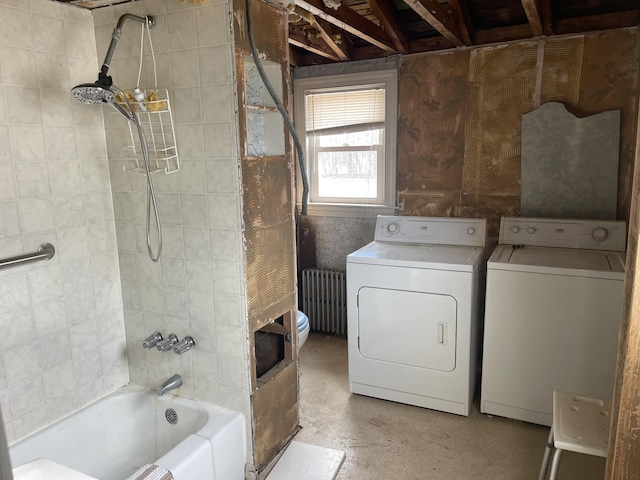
x=303, y=329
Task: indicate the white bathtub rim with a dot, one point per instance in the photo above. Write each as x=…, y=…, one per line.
x=221, y=425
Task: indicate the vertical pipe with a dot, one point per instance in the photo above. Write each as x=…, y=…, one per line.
x=332, y=298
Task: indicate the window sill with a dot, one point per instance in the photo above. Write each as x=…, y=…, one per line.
x=347, y=210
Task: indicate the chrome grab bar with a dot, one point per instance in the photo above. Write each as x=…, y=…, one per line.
x=45, y=252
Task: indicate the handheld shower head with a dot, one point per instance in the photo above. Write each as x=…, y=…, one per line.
x=92, y=93
x=101, y=91
x=96, y=94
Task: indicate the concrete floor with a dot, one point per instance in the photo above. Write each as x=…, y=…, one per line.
x=390, y=441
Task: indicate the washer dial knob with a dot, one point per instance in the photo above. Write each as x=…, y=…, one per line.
x=531, y=230
x=515, y=229
x=599, y=234
x=392, y=228
x=471, y=231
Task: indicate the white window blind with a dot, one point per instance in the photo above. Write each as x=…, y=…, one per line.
x=354, y=109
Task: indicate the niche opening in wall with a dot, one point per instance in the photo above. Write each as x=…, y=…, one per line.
x=272, y=345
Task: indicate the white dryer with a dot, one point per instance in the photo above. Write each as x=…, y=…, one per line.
x=413, y=304
x=552, y=318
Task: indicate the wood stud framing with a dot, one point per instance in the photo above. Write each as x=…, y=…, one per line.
x=434, y=14
x=351, y=22
x=534, y=15
x=384, y=11
x=453, y=22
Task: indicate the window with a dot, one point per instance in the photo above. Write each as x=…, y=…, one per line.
x=348, y=132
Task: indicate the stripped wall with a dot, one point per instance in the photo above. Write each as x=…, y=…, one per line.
x=460, y=117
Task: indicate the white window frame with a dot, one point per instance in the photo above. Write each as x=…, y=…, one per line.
x=386, y=177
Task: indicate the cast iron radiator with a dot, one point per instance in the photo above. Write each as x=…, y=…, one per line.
x=324, y=300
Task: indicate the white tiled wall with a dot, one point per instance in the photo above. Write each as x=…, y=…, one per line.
x=62, y=342
x=197, y=288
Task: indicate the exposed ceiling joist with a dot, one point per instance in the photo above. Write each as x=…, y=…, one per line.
x=330, y=35
x=603, y=21
x=534, y=15
x=435, y=15
x=350, y=21
x=460, y=12
x=547, y=17
x=298, y=39
x=384, y=11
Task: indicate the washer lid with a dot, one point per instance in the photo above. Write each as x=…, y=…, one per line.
x=559, y=261
x=439, y=257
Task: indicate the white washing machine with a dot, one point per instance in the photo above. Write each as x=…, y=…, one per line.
x=553, y=308
x=413, y=303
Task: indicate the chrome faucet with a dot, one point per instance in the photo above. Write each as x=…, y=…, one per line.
x=187, y=343
x=168, y=343
x=152, y=340
x=175, y=381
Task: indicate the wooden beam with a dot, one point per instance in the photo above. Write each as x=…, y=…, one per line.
x=503, y=34
x=300, y=40
x=623, y=458
x=462, y=17
x=303, y=58
x=430, y=44
x=547, y=17
x=603, y=21
x=383, y=9
x=435, y=15
x=348, y=20
x=328, y=33
x=534, y=15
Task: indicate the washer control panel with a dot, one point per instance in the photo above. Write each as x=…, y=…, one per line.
x=432, y=230
x=564, y=233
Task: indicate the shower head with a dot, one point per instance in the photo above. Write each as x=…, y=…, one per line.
x=100, y=93
x=92, y=93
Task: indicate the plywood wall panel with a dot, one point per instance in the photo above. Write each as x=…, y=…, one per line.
x=561, y=68
x=502, y=84
x=609, y=81
x=432, y=109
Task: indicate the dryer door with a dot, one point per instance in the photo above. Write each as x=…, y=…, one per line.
x=408, y=328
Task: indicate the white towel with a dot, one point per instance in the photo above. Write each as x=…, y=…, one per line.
x=151, y=472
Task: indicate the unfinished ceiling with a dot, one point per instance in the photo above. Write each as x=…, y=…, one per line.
x=326, y=31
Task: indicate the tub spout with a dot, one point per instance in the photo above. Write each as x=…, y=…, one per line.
x=171, y=384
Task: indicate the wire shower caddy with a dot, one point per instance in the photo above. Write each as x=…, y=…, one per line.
x=156, y=119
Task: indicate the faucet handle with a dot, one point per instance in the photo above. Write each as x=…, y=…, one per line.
x=168, y=343
x=187, y=343
x=152, y=340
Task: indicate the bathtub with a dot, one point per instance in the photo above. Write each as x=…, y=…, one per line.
x=111, y=438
